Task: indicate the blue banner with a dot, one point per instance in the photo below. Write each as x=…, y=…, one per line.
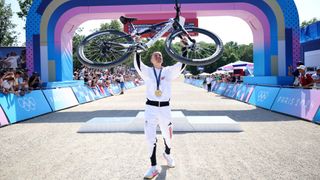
x=317, y=117
x=115, y=89
x=228, y=89
x=213, y=84
x=303, y=103
x=60, y=98
x=3, y=118
x=107, y=92
x=96, y=92
x=232, y=93
x=264, y=96
x=244, y=92
x=222, y=87
x=216, y=87
x=18, y=108
x=83, y=93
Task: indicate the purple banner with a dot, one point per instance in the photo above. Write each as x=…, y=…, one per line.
x=302, y=103
x=3, y=118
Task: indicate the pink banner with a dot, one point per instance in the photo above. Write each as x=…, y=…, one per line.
x=3, y=118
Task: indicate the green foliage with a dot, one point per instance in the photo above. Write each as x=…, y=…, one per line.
x=307, y=23
x=8, y=36
x=77, y=38
x=24, y=7
x=114, y=24
x=232, y=51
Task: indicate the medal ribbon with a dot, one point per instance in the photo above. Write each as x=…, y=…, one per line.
x=157, y=77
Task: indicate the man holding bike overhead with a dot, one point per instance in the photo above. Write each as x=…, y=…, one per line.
x=157, y=111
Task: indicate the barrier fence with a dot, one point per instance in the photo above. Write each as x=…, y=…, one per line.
x=38, y=102
x=301, y=103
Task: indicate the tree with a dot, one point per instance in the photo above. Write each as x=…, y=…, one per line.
x=77, y=38
x=24, y=7
x=7, y=35
x=307, y=23
x=114, y=24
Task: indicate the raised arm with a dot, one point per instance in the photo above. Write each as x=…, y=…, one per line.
x=141, y=68
x=176, y=70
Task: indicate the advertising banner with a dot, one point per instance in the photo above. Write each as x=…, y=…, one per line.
x=223, y=86
x=3, y=118
x=213, y=84
x=216, y=87
x=97, y=94
x=228, y=89
x=317, y=117
x=232, y=93
x=302, y=103
x=18, y=108
x=107, y=92
x=115, y=89
x=60, y=98
x=244, y=92
x=84, y=94
x=264, y=96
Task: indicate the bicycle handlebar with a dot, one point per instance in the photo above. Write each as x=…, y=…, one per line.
x=177, y=8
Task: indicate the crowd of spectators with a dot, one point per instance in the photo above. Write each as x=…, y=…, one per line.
x=14, y=77
x=304, y=79
x=103, y=78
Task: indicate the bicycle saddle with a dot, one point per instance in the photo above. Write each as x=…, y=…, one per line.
x=125, y=20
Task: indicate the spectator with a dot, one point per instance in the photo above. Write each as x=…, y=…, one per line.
x=295, y=73
x=34, y=81
x=208, y=81
x=316, y=77
x=7, y=83
x=12, y=60
x=305, y=80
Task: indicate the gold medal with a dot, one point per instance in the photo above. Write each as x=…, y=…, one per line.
x=158, y=93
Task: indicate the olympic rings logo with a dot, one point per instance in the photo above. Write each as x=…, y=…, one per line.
x=28, y=104
x=262, y=95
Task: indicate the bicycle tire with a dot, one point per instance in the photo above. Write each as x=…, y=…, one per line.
x=193, y=61
x=90, y=62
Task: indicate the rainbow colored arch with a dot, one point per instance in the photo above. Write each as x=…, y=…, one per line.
x=51, y=25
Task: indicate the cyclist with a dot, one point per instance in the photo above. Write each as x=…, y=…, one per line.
x=157, y=111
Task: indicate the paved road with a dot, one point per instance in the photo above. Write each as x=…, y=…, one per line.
x=272, y=146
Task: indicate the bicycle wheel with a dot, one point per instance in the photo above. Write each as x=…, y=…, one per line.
x=206, y=49
x=105, y=49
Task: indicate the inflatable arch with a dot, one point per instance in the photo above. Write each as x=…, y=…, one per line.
x=51, y=25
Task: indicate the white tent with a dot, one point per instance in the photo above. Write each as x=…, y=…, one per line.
x=204, y=74
x=238, y=65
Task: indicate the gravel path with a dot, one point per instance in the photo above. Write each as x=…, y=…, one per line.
x=272, y=146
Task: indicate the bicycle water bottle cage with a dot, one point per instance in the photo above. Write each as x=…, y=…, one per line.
x=125, y=20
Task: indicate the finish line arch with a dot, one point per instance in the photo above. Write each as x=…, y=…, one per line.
x=51, y=25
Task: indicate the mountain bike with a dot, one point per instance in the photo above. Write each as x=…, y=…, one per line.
x=189, y=45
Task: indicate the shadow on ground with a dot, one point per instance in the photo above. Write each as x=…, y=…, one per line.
x=254, y=115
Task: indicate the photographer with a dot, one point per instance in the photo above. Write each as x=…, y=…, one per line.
x=34, y=81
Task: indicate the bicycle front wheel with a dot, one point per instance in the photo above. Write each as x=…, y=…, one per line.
x=105, y=49
x=205, y=47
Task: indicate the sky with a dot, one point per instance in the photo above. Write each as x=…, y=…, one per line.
x=224, y=26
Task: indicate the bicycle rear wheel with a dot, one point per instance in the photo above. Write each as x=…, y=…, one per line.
x=206, y=49
x=105, y=49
